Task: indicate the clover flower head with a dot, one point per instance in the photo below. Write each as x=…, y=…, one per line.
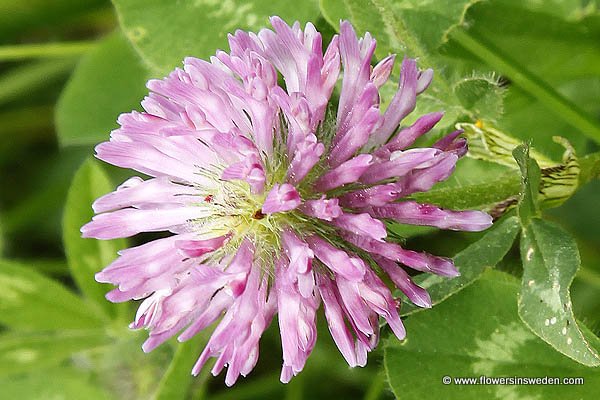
x=275, y=190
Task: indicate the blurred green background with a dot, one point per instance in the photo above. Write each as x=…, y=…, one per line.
x=69, y=67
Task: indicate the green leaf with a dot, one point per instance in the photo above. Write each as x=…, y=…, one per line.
x=42, y=197
x=56, y=383
x=402, y=27
x=29, y=352
x=24, y=125
x=481, y=96
x=365, y=17
x=550, y=262
x=51, y=267
x=30, y=301
x=175, y=383
x=549, y=45
x=1, y=239
x=530, y=184
x=108, y=81
x=25, y=79
x=415, y=27
x=430, y=21
x=17, y=52
x=165, y=32
x=478, y=332
x=573, y=10
x=18, y=16
x=590, y=168
x=517, y=119
x=88, y=256
x=529, y=82
x=471, y=262
x=542, y=55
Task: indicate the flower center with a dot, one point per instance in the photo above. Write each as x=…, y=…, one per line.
x=258, y=215
x=235, y=210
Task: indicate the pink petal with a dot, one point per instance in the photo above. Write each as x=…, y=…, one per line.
x=307, y=155
x=250, y=170
x=326, y=209
x=452, y=143
x=410, y=212
x=335, y=320
x=197, y=248
x=356, y=73
x=148, y=160
x=383, y=69
x=297, y=323
x=361, y=224
x=281, y=198
x=298, y=252
x=130, y=221
x=418, y=261
x=372, y=196
x=347, y=172
x=421, y=180
x=144, y=269
x=424, y=80
x=138, y=193
x=401, y=279
x=337, y=260
x=402, y=104
x=365, y=117
x=407, y=136
x=399, y=164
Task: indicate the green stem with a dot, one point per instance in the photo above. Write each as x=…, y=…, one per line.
x=44, y=50
x=24, y=79
x=403, y=35
x=295, y=389
x=376, y=388
x=589, y=276
x=176, y=382
x=259, y=388
x=529, y=82
x=47, y=266
x=26, y=121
